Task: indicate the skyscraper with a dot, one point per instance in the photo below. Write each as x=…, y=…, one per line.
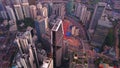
x=4, y=14
x=83, y=16
x=39, y=8
x=33, y=11
x=57, y=42
x=59, y=10
x=26, y=9
x=10, y=13
x=44, y=12
x=78, y=7
x=40, y=25
x=27, y=50
x=18, y=11
x=99, y=9
x=101, y=32
x=69, y=6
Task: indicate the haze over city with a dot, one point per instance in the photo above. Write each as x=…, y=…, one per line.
x=59, y=33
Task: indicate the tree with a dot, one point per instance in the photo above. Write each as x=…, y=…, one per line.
x=110, y=38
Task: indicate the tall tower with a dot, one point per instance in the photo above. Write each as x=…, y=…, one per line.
x=10, y=13
x=18, y=11
x=26, y=9
x=27, y=49
x=57, y=41
x=70, y=6
x=99, y=9
x=40, y=25
x=44, y=12
x=39, y=8
x=33, y=11
x=83, y=13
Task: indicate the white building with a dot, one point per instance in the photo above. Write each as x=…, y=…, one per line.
x=45, y=12
x=83, y=15
x=33, y=11
x=18, y=11
x=10, y=13
x=26, y=9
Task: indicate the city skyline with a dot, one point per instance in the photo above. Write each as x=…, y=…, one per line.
x=59, y=34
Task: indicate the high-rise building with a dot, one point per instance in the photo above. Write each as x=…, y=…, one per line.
x=69, y=6
x=101, y=32
x=26, y=9
x=41, y=26
x=57, y=42
x=18, y=11
x=82, y=13
x=44, y=12
x=33, y=11
x=83, y=16
x=39, y=8
x=10, y=13
x=4, y=14
x=27, y=50
x=78, y=7
x=59, y=10
x=99, y=10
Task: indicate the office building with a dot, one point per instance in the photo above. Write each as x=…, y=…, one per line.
x=4, y=14
x=57, y=42
x=19, y=12
x=59, y=10
x=26, y=9
x=69, y=6
x=101, y=32
x=10, y=13
x=78, y=7
x=99, y=10
x=82, y=13
x=41, y=26
x=33, y=11
x=27, y=49
x=1, y=6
